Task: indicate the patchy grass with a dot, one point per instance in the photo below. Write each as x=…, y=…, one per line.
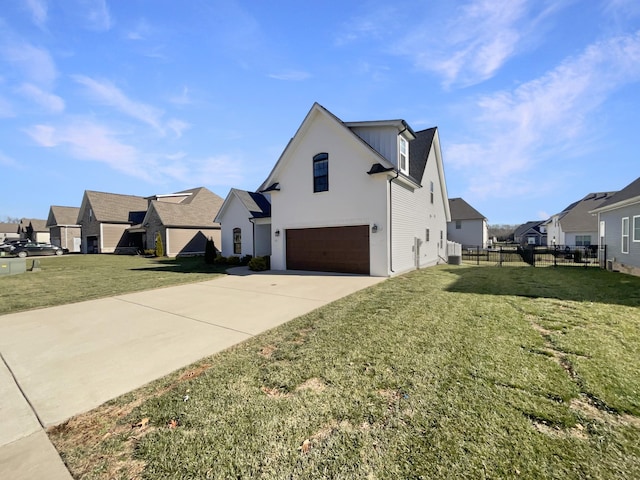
x=449, y=372
x=74, y=278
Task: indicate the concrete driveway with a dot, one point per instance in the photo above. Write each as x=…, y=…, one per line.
x=61, y=361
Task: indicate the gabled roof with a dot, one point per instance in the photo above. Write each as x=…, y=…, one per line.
x=461, y=210
x=62, y=216
x=533, y=226
x=577, y=217
x=111, y=207
x=257, y=205
x=196, y=210
x=628, y=195
x=9, y=227
x=38, y=225
x=419, y=152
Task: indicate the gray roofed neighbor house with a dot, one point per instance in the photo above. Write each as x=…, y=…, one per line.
x=38, y=225
x=461, y=210
x=525, y=227
x=62, y=216
x=114, y=207
x=256, y=203
x=577, y=217
x=9, y=227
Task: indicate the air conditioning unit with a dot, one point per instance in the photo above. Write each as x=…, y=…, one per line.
x=610, y=265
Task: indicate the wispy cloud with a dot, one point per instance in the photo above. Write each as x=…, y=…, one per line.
x=290, y=75
x=543, y=119
x=88, y=140
x=477, y=40
x=48, y=101
x=36, y=64
x=7, y=161
x=108, y=94
x=184, y=98
x=38, y=10
x=97, y=14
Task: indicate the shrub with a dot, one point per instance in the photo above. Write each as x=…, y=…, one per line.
x=149, y=252
x=259, y=264
x=245, y=260
x=233, y=260
x=220, y=260
x=159, y=245
x=210, y=251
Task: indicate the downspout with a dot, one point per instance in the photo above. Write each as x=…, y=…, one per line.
x=253, y=237
x=391, y=223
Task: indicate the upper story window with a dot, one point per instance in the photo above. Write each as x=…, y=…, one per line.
x=431, y=191
x=321, y=172
x=403, y=155
x=458, y=224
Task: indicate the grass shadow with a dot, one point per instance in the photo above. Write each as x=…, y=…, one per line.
x=562, y=283
x=183, y=265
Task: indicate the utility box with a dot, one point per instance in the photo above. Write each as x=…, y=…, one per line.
x=12, y=266
x=455, y=260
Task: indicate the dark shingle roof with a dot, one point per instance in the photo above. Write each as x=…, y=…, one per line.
x=38, y=225
x=525, y=227
x=419, y=153
x=461, y=210
x=114, y=207
x=9, y=227
x=630, y=191
x=256, y=203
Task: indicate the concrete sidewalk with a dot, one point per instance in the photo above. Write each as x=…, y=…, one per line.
x=61, y=361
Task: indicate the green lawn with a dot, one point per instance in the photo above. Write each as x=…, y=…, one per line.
x=73, y=278
x=449, y=372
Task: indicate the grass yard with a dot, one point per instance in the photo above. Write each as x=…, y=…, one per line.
x=74, y=278
x=449, y=372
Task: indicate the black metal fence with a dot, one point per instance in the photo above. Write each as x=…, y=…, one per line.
x=537, y=256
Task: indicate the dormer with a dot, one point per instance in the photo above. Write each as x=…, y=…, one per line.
x=390, y=138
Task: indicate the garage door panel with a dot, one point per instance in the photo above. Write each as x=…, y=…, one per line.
x=330, y=249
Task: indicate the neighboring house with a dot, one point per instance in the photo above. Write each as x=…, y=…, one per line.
x=246, y=224
x=575, y=225
x=36, y=230
x=9, y=231
x=184, y=221
x=64, y=228
x=105, y=218
x=467, y=226
x=356, y=197
x=114, y=223
x=619, y=229
x=531, y=233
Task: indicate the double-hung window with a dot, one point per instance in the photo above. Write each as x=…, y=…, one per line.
x=403, y=155
x=625, y=235
x=237, y=241
x=321, y=172
x=636, y=228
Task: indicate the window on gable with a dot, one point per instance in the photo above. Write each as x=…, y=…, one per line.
x=321, y=172
x=625, y=235
x=458, y=224
x=237, y=241
x=431, y=191
x=427, y=235
x=403, y=155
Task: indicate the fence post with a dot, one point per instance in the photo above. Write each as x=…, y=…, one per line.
x=555, y=256
x=500, y=258
x=477, y=255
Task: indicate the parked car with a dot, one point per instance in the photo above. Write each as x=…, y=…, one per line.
x=10, y=245
x=32, y=249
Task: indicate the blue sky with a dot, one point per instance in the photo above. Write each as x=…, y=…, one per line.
x=537, y=102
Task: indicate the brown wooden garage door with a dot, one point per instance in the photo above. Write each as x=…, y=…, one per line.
x=331, y=249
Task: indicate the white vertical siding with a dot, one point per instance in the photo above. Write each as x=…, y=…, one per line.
x=384, y=140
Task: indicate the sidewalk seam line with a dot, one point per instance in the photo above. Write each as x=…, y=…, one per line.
x=185, y=316
x=22, y=392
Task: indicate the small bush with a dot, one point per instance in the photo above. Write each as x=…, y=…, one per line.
x=150, y=252
x=245, y=260
x=233, y=260
x=159, y=245
x=259, y=264
x=220, y=260
x=210, y=251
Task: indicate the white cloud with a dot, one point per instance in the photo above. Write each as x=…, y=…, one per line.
x=290, y=75
x=97, y=14
x=7, y=161
x=38, y=9
x=88, y=140
x=108, y=94
x=518, y=131
x=35, y=63
x=183, y=98
x=177, y=126
x=49, y=101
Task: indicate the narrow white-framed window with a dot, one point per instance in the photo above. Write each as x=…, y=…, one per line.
x=602, y=230
x=431, y=191
x=625, y=235
x=237, y=241
x=403, y=155
x=636, y=228
x=426, y=236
